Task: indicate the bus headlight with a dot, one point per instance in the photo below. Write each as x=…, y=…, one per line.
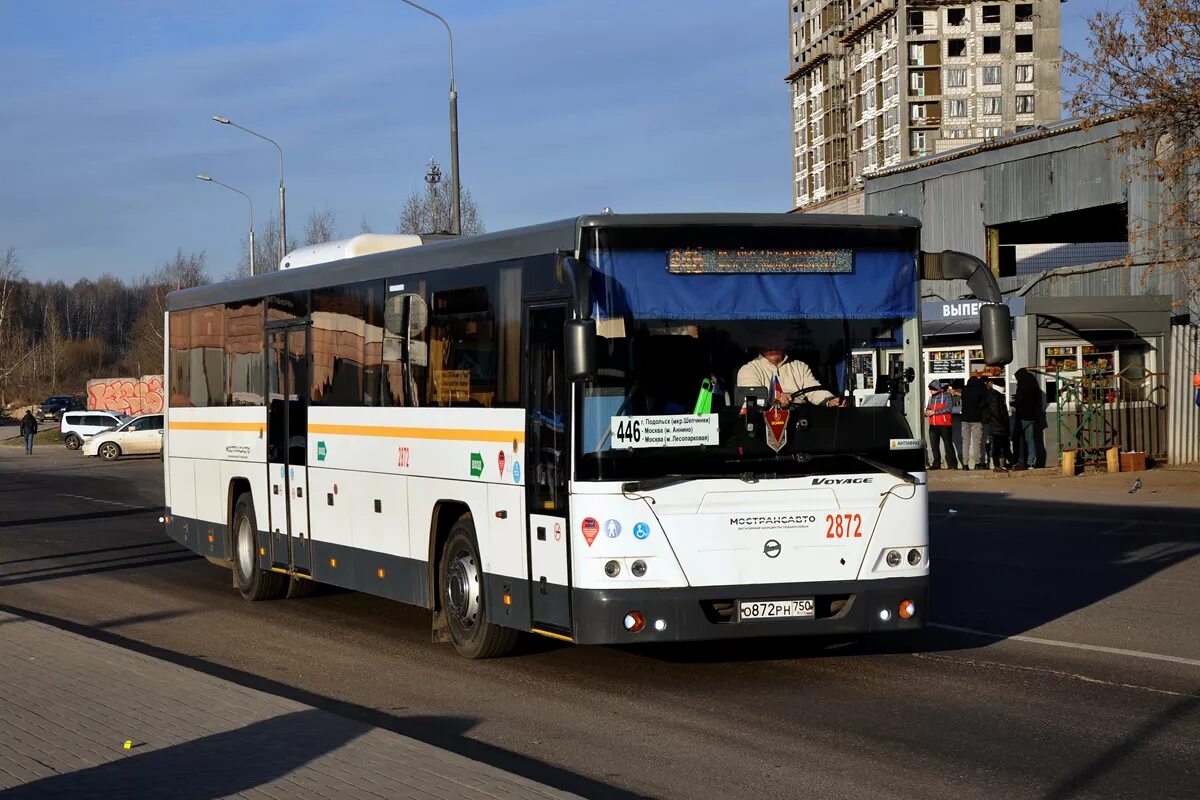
x=638, y=568
x=893, y=558
x=612, y=569
x=914, y=557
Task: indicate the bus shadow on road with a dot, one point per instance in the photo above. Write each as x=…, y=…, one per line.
x=1003, y=568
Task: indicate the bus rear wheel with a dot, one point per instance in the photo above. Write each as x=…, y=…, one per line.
x=460, y=582
x=254, y=582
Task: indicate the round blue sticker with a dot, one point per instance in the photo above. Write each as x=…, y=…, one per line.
x=516, y=472
x=612, y=528
x=641, y=531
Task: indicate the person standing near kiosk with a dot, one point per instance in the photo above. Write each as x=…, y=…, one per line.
x=939, y=412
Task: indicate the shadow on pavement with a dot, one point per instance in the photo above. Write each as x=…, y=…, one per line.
x=447, y=733
x=1001, y=567
x=1084, y=780
x=99, y=550
x=53, y=573
x=81, y=517
x=219, y=765
x=140, y=619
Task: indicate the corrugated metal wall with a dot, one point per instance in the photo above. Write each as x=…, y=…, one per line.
x=952, y=218
x=1183, y=420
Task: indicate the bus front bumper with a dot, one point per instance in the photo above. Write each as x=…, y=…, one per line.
x=712, y=612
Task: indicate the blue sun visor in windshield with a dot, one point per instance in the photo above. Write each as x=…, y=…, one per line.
x=662, y=284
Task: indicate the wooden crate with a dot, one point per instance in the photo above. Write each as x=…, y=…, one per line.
x=1133, y=462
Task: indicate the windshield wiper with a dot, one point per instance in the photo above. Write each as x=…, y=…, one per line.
x=803, y=458
x=663, y=481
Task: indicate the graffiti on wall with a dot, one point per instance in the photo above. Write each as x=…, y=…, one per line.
x=127, y=395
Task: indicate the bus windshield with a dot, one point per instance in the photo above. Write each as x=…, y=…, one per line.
x=695, y=323
x=687, y=397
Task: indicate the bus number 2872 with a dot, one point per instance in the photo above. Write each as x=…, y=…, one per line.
x=843, y=526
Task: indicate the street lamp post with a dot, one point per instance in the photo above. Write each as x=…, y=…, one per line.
x=208, y=179
x=282, y=191
x=456, y=208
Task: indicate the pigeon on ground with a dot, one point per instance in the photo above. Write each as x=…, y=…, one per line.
x=1137, y=485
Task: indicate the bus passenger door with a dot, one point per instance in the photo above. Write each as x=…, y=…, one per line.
x=546, y=465
x=287, y=447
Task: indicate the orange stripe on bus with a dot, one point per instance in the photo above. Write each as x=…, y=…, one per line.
x=183, y=425
x=450, y=434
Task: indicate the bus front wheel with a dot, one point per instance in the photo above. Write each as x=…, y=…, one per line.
x=460, y=582
x=254, y=582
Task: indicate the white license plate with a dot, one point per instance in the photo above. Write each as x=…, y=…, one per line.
x=775, y=609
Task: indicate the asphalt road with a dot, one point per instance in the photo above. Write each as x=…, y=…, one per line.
x=1065, y=661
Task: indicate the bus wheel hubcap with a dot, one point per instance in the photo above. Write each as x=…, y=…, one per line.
x=245, y=546
x=462, y=591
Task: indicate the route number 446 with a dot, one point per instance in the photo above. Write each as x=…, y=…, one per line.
x=629, y=431
x=843, y=526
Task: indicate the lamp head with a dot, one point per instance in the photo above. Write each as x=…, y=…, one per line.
x=204, y=177
x=220, y=119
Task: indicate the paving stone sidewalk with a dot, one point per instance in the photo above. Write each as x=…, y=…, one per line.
x=69, y=703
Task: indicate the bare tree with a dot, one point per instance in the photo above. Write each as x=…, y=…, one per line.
x=266, y=250
x=1144, y=64
x=10, y=276
x=320, y=227
x=14, y=344
x=53, y=343
x=184, y=271
x=429, y=211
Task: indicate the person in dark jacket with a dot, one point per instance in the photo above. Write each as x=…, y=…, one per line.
x=994, y=416
x=28, y=430
x=973, y=395
x=1027, y=409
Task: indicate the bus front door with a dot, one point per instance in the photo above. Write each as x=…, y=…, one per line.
x=546, y=469
x=287, y=447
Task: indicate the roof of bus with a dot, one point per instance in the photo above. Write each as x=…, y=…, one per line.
x=550, y=237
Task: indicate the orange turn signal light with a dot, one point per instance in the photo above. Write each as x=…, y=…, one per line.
x=907, y=609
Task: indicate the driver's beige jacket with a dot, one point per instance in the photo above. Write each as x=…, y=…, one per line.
x=793, y=376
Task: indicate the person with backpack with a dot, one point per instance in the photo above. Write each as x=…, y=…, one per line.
x=29, y=429
x=939, y=411
x=994, y=416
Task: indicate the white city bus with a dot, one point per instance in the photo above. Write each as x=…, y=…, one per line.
x=541, y=429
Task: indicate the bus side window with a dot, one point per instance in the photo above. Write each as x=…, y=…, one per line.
x=462, y=348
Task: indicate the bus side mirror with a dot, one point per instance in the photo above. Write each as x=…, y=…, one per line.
x=995, y=323
x=580, y=342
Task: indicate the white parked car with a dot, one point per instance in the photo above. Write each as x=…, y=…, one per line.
x=139, y=436
x=76, y=427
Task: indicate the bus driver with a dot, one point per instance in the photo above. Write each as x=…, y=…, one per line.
x=794, y=376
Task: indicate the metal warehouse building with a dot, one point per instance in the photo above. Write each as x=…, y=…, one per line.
x=1071, y=227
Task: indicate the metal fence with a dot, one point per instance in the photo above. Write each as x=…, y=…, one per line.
x=1098, y=410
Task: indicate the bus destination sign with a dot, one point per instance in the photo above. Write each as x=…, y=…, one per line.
x=700, y=260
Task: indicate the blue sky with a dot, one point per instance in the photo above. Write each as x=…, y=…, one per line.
x=565, y=107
